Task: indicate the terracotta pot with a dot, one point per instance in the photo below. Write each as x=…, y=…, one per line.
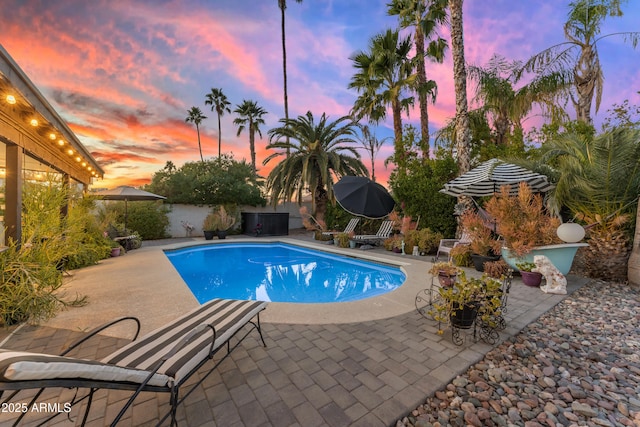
x=446, y=280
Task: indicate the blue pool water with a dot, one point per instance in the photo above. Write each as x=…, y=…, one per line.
x=281, y=273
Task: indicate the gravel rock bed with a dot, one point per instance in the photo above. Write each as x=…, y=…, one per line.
x=577, y=365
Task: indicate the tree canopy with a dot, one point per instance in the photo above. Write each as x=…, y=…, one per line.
x=212, y=182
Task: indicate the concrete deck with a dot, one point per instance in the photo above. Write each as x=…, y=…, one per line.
x=365, y=363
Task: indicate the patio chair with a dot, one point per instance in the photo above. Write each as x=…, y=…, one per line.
x=383, y=233
x=161, y=361
x=446, y=245
x=351, y=226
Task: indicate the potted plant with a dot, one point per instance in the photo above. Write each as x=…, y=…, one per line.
x=393, y=243
x=352, y=243
x=468, y=299
x=482, y=243
x=529, y=278
x=342, y=240
x=224, y=221
x=529, y=229
x=209, y=226
x=446, y=272
x=461, y=255
x=116, y=248
x=428, y=241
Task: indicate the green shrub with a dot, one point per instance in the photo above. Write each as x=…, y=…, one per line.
x=148, y=219
x=428, y=241
x=418, y=193
x=30, y=281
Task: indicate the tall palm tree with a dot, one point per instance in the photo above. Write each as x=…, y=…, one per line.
x=318, y=153
x=196, y=117
x=220, y=104
x=425, y=16
x=282, y=4
x=575, y=64
x=250, y=118
x=463, y=133
x=384, y=77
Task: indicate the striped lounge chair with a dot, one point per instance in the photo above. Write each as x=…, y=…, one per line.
x=161, y=361
x=383, y=233
x=351, y=226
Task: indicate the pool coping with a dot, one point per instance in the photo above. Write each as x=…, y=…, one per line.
x=145, y=283
x=391, y=304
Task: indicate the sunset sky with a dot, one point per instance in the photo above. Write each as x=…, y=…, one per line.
x=123, y=73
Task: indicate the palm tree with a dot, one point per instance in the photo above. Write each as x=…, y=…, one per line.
x=282, y=4
x=195, y=116
x=575, y=64
x=220, y=104
x=384, y=77
x=506, y=106
x=598, y=180
x=250, y=117
x=318, y=153
x=463, y=133
x=425, y=18
x=372, y=144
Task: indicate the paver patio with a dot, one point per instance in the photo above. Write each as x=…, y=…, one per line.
x=364, y=373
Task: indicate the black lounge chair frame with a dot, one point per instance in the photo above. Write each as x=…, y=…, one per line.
x=174, y=389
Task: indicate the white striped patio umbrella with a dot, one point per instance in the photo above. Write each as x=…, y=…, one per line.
x=486, y=179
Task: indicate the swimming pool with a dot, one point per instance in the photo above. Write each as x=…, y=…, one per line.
x=280, y=272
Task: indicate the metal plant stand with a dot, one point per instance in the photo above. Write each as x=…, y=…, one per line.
x=486, y=330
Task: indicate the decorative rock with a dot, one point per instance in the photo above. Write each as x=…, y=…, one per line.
x=472, y=418
x=577, y=365
x=583, y=409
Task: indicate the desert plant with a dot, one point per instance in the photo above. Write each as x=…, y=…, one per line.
x=496, y=269
x=210, y=222
x=223, y=220
x=482, y=240
x=343, y=239
x=461, y=255
x=428, y=240
x=410, y=240
x=393, y=243
x=442, y=267
x=522, y=220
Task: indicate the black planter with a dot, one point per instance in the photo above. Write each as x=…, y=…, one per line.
x=463, y=317
x=222, y=234
x=479, y=260
x=208, y=234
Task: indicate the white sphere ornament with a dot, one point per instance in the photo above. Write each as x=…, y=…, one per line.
x=570, y=232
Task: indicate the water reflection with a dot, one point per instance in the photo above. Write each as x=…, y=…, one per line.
x=278, y=272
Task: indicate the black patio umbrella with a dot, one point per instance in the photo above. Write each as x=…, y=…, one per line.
x=486, y=179
x=360, y=196
x=127, y=194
